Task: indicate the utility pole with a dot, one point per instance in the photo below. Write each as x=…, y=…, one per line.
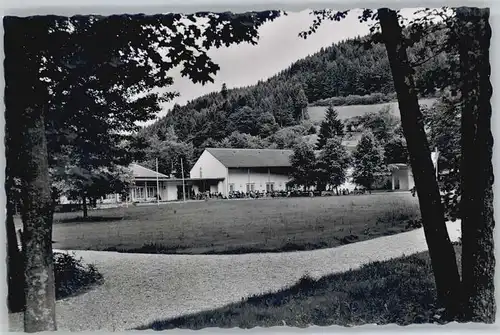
x=437, y=174
x=435, y=161
x=183, y=184
x=157, y=185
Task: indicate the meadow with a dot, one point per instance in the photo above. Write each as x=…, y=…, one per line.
x=238, y=226
x=317, y=113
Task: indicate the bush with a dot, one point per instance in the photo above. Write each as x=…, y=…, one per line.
x=72, y=276
x=371, y=99
x=67, y=208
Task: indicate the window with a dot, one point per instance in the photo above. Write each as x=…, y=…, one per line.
x=151, y=192
x=231, y=187
x=139, y=192
x=250, y=187
x=269, y=187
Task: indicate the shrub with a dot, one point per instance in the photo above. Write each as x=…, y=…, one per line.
x=371, y=99
x=72, y=276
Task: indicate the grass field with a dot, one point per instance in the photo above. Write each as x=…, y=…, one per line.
x=238, y=226
x=400, y=291
x=317, y=113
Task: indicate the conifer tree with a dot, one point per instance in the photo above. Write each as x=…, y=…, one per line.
x=368, y=161
x=330, y=127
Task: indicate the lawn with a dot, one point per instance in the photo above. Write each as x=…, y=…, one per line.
x=238, y=226
x=400, y=291
x=317, y=113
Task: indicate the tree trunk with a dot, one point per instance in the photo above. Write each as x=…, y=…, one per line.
x=441, y=250
x=476, y=207
x=15, y=261
x=37, y=214
x=15, y=266
x=85, y=207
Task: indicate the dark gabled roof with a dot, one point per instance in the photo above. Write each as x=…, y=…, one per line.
x=246, y=158
x=139, y=171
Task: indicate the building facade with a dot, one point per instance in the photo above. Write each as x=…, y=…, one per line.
x=147, y=184
x=219, y=171
x=243, y=170
x=402, y=177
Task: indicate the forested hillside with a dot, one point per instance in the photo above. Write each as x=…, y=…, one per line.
x=273, y=113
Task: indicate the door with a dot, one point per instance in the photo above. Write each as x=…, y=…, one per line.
x=396, y=182
x=270, y=187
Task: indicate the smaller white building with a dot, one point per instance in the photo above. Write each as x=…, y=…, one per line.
x=145, y=182
x=402, y=177
x=151, y=186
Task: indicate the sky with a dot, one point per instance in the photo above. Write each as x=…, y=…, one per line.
x=278, y=47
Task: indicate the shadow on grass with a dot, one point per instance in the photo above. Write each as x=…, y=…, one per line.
x=153, y=248
x=81, y=219
x=149, y=248
x=400, y=291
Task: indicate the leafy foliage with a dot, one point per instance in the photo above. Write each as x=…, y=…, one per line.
x=395, y=151
x=382, y=124
x=169, y=151
x=76, y=182
x=367, y=160
x=443, y=123
x=72, y=276
x=332, y=164
x=303, y=161
x=94, y=91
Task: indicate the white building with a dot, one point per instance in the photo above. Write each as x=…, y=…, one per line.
x=243, y=170
x=218, y=171
x=145, y=189
x=402, y=177
x=146, y=185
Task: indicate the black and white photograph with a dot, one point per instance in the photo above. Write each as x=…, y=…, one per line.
x=254, y=168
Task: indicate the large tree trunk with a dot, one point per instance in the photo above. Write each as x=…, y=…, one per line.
x=37, y=214
x=478, y=260
x=441, y=250
x=15, y=262
x=15, y=266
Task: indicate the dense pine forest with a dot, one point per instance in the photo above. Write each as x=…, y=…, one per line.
x=273, y=113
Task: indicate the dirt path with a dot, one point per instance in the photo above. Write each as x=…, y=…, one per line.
x=141, y=288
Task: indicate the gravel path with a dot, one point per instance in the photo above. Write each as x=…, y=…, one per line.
x=140, y=288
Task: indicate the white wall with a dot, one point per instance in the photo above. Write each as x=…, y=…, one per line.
x=171, y=191
x=240, y=178
x=163, y=191
x=411, y=181
x=405, y=179
x=210, y=167
x=207, y=166
x=221, y=188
